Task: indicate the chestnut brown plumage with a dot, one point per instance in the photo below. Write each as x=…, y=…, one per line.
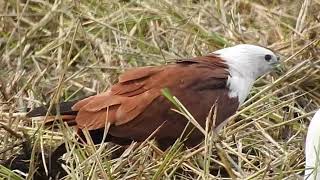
x=135, y=107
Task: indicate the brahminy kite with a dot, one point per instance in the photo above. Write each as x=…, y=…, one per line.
x=135, y=106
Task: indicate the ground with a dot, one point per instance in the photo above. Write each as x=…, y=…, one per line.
x=61, y=50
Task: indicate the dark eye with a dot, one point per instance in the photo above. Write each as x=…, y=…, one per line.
x=267, y=57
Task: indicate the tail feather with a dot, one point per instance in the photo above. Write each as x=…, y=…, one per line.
x=64, y=109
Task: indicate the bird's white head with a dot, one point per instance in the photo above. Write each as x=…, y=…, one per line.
x=248, y=60
x=245, y=64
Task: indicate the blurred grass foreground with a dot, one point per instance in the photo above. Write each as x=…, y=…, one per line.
x=58, y=50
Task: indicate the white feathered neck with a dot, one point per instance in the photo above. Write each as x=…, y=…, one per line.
x=246, y=63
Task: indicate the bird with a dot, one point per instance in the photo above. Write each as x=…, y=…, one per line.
x=135, y=107
x=312, y=147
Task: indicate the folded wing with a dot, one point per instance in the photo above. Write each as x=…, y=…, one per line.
x=139, y=87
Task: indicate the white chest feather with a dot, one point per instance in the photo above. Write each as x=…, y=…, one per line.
x=239, y=86
x=245, y=64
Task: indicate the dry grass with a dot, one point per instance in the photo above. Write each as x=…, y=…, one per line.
x=62, y=49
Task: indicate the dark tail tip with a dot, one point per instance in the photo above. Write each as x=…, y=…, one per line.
x=64, y=108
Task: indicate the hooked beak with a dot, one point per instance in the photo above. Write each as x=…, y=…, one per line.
x=277, y=62
x=278, y=68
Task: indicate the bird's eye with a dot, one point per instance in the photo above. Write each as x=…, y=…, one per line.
x=267, y=57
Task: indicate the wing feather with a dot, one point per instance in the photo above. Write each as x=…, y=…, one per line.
x=138, y=88
x=139, y=73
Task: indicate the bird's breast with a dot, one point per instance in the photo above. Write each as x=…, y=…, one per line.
x=239, y=87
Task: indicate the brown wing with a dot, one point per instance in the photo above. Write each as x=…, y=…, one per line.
x=198, y=85
x=138, y=88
